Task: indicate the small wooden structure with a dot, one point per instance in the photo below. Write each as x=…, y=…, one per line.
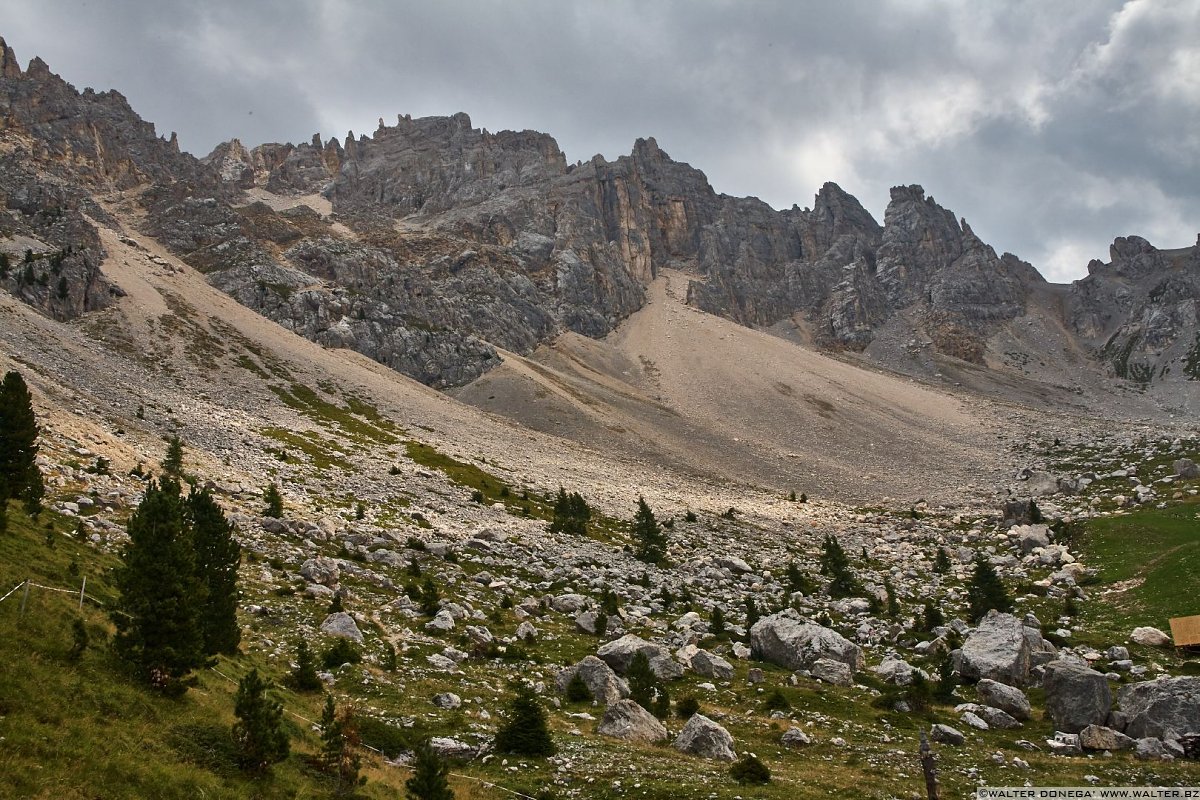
x=1186, y=631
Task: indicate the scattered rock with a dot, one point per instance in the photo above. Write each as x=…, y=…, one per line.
x=1150, y=637
x=1165, y=708
x=343, y=626
x=796, y=738
x=601, y=681
x=1076, y=696
x=997, y=649
x=619, y=654
x=447, y=700
x=789, y=640
x=1005, y=697
x=1098, y=737
x=833, y=672
x=946, y=735
x=705, y=738
x=627, y=720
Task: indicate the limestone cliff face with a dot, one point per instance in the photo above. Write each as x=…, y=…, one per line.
x=1140, y=311
x=447, y=242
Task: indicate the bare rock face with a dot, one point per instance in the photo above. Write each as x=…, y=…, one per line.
x=789, y=640
x=1166, y=708
x=997, y=649
x=627, y=720
x=1138, y=312
x=705, y=738
x=1076, y=696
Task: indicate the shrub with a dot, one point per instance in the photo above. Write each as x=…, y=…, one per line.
x=687, y=706
x=577, y=690
x=342, y=651
x=749, y=770
x=776, y=701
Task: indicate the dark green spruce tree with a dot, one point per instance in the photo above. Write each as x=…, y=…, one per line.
x=274, y=501
x=836, y=564
x=217, y=558
x=986, y=591
x=173, y=462
x=157, y=612
x=428, y=781
x=258, y=734
x=650, y=541
x=525, y=730
x=20, y=478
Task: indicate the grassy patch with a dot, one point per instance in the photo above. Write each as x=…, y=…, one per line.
x=353, y=419
x=323, y=454
x=1149, y=562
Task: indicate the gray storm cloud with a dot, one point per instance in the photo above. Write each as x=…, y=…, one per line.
x=1052, y=126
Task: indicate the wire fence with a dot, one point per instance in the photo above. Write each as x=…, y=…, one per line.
x=81, y=593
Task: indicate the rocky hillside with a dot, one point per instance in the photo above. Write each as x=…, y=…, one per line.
x=430, y=244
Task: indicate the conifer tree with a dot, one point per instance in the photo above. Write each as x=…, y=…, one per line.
x=173, y=462
x=258, y=734
x=716, y=624
x=986, y=591
x=428, y=781
x=274, y=501
x=646, y=688
x=217, y=558
x=431, y=598
x=525, y=731
x=651, y=542
x=571, y=514
x=156, y=615
x=893, y=605
x=941, y=564
x=339, y=745
x=836, y=565
x=304, y=677
x=933, y=616
x=20, y=478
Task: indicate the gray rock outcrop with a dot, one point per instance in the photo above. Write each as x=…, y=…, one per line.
x=999, y=649
x=619, y=654
x=1165, y=708
x=1076, y=696
x=604, y=684
x=343, y=626
x=789, y=640
x=630, y=722
x=705, y=738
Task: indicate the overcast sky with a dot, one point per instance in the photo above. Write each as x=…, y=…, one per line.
x=1051, y=126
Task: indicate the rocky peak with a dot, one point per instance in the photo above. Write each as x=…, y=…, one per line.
x=9, y=66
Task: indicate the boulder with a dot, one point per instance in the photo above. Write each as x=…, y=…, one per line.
x=443, y=622
x=1076, y=696
x=1031, y=537
x=446, y=747
x=526, y=632
x=1186, y=468
x=1166, y=708
x=733, y=564
x=1041, y=484
x=1065, y=744
x=1004, y=697
x=447, y=700
x=322, y=570
x=1151, y=749
x=895, y=671
x=997, y=649
x=705, y=738
x=601, y=681
x=619, y=654
x=569, y=603
x=789, y=640
x=946, y=735
x=627, y=720
x=1150, y=637
x=343, y=626
x=993, y=717
x=1098, y=737
x=834, y=672
x=795, y=738
x=711, y=665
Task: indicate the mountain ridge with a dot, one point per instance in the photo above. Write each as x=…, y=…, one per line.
x=438, y=243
